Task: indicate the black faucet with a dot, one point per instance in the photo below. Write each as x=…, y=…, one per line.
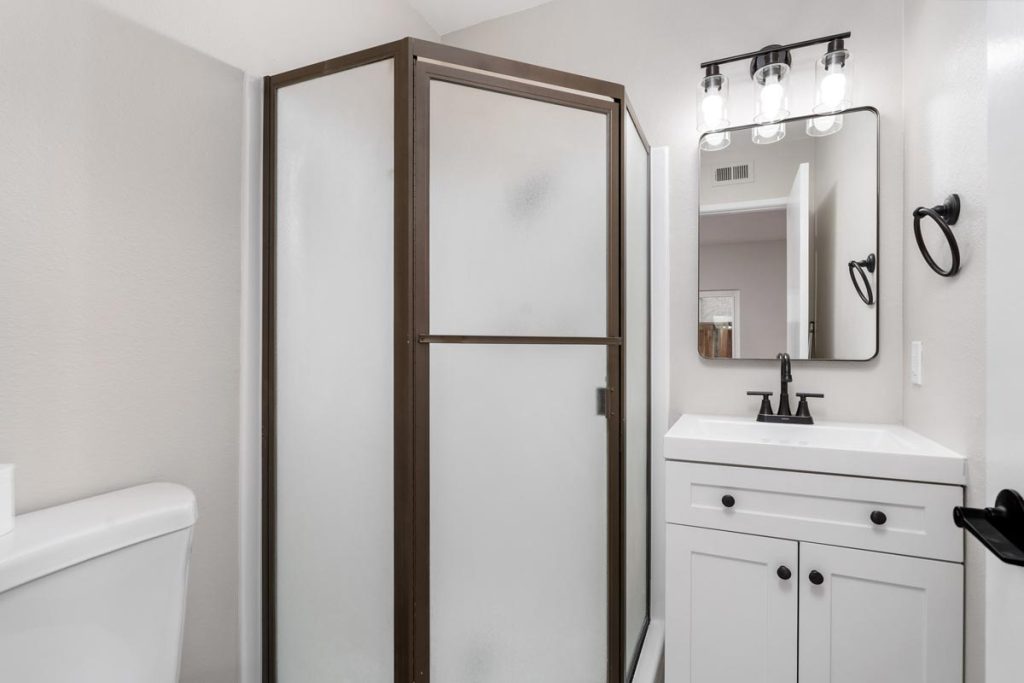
x=786, y=374
x=784, y=414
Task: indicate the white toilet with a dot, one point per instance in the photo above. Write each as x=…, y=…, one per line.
x=94, y=591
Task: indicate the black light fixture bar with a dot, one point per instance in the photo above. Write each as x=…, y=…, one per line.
x=777, y=48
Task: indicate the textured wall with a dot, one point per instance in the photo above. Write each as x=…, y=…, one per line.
x=945, y=107
x=120, y=248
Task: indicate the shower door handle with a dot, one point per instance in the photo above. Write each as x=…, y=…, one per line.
x=602, y=401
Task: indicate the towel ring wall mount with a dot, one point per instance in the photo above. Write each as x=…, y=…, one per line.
x=862, y=268
x=944, y=215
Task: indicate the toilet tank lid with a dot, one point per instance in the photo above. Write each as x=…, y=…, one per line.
x=46, y=541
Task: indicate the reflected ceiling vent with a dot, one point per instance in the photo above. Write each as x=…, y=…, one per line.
x=735, y=174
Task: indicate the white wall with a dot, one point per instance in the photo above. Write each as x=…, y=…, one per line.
x=272, y=36
x=1005, y=326
x=654, y=48
x=945, y=109
x=120, y=209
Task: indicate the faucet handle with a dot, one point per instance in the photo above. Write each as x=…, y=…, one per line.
x=766, y=405
x=802, y=410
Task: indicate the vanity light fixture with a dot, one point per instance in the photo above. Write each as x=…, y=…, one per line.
x=713, y=109
x=833, y=77
x=770, y=73
x=769, y=70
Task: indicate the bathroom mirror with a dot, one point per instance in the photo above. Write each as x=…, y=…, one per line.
x=788, y=240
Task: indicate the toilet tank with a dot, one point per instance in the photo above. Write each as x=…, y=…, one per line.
x=94, y=591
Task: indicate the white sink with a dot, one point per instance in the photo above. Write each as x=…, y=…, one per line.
x=867, y=450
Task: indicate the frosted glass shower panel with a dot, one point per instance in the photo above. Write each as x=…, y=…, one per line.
x=518, y=514
x=637, y=251
x=335, y=351
x=518, y=215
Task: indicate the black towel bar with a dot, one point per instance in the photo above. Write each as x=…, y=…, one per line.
x=944, y=215
x=999, y=528
x=867, y=294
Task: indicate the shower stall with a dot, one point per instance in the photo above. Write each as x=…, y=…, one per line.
x=456, y=380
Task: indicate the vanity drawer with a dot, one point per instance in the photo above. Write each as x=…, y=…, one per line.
x=821, y=508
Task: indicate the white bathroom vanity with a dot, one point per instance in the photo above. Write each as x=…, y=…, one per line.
x=824, y=553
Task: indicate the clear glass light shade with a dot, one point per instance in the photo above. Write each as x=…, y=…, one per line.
x=833, y=75
x=715, y=140
x=713, y=103
x=820, y=126
x=772, y=100
x=768, y=133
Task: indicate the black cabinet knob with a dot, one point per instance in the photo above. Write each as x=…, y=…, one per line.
x=816, y=578
x=878, y=517
x=728, y=501
x=784, y=573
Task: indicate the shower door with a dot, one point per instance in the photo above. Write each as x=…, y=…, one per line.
x=517, y=227
x=455, y=378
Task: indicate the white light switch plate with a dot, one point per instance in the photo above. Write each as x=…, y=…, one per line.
x=915, y=363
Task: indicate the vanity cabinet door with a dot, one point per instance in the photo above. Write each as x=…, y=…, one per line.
x=731, y=614
x=867, y=616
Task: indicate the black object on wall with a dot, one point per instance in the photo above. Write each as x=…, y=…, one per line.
x=999, y=528
x=862, y=268
x=945, y=215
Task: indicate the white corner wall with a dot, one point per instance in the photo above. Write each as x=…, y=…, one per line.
x=661, y=310
x=945, y=100
x=1004, y=338
x=120, y=201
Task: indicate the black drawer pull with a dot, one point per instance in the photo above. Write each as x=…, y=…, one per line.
x=816, y=578
x=878, y=518
x=728, y=501
x=784, y=573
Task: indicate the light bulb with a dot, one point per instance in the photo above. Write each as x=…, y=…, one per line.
x=833, y=89
x=833, y=80
x=820, y=126
x=713, y=101
x=768, y=133
x=712, y=108
x=823, y=123
x=772, y=94
x=712, y=142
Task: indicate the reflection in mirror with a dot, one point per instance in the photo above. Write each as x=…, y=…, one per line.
x=780, y=225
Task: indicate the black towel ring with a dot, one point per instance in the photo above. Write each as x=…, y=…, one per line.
x=944, y=215
x=867, y=295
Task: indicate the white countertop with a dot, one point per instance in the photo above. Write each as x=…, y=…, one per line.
x=864, y=450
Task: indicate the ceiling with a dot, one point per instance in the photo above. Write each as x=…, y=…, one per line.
x=446, y=16
x=269, y=36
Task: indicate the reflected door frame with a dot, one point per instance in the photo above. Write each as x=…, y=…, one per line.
x=733, y=294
